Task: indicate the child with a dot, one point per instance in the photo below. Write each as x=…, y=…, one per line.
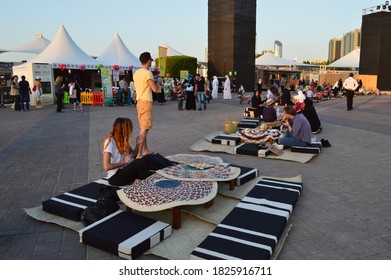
x=73, y=96
x=180, y=96
x=38, y=92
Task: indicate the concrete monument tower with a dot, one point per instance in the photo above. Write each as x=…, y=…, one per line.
x=231, y=40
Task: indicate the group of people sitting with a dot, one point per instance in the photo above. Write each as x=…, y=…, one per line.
x=299, y=119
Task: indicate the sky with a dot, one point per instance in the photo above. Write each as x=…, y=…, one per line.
x=303, y=26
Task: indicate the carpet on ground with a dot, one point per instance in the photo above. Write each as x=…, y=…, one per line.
x=206, y=145
x=197, y=221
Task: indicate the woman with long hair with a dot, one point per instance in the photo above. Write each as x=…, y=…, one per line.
x=59, y=91
x=119, y=158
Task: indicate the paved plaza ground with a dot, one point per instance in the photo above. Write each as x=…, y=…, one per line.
x=343, y=212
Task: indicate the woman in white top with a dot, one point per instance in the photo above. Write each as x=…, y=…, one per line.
x=119, y=158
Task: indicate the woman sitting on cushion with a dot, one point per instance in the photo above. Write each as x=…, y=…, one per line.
x=256, y=103
x=308, y=110
x=269, y=114
x=119, y=158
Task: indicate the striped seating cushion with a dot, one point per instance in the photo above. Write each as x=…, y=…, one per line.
x=254, y=227
x=70, y=204
x=226, y=140
x=248, y=123
x=125, y=234
x=246, y=174
x=306, y=150
x=251, y=149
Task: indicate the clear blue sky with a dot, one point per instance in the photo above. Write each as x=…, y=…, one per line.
x=303, y=26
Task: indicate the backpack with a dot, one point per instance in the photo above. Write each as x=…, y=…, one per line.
x=105, y=205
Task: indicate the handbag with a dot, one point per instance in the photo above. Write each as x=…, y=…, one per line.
x=103, y=207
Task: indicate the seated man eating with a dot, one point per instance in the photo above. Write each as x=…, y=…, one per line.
x=298, y=131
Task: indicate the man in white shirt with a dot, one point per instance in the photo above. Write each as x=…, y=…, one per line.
x=350, y=85
x=144, y=84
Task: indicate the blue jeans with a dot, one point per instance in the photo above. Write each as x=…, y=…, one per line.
x=25, y=97
x=201, y=100
x=288, y=141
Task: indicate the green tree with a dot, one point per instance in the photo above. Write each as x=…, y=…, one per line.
x=174, y=64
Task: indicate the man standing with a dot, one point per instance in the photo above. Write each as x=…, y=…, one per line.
x=24, y=92
x=200, y=90
x=124, y=88
x=144, y=84
x=350, y=85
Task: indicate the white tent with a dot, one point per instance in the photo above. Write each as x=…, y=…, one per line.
x=36, y=46
x=63, y=50
x=351, y=60
x=118, y=53
x=269, y=59
x=170, y=51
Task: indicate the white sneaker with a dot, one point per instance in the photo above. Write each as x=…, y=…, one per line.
x=275, y=148
x=278, y=146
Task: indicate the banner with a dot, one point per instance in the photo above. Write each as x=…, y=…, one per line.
x=106, y=81
x=183, y=74
x=162, y=60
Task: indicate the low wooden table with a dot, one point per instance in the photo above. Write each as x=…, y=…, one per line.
x=158, y=193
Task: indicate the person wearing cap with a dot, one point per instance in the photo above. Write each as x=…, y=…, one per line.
x=269, y=114
x=144, y=84
x=350, y=85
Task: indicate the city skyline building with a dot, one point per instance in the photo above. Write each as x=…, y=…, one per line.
x=335, y=49
x=351, y=40
x=277, y=48
x=339, y=47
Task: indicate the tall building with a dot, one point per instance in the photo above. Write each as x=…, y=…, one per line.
x=375, y=54
x=351, y=40
x=231, y=40
x=335, y=49
x=278, y=48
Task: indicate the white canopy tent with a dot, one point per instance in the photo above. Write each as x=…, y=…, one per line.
x=170, y=51
x=269, y=59
x=63, y=50
x=36, y=46
x=351, y=60
x=118, y=53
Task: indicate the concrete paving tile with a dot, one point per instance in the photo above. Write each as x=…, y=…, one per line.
x=346, y=190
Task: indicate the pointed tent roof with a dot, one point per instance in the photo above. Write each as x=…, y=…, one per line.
x=171, y=51
x=36, y=46
x=118, y=53
x=269, y=59
x=63, y=50
x=351, y=60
